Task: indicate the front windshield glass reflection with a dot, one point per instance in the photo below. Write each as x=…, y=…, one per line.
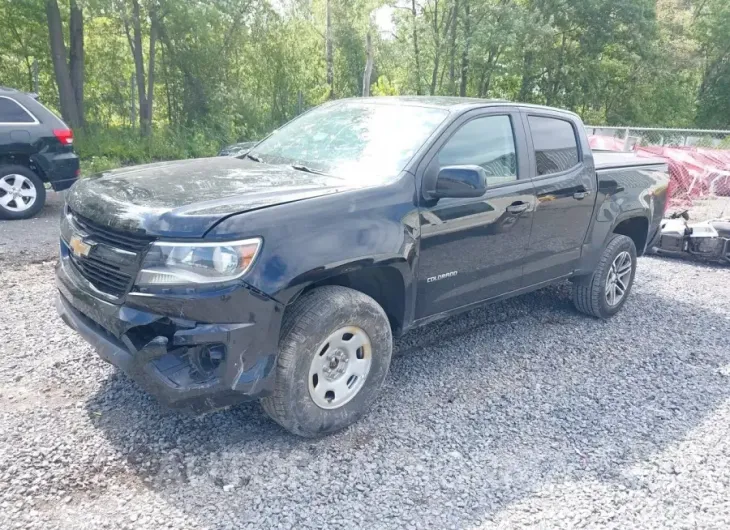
x=353, y=140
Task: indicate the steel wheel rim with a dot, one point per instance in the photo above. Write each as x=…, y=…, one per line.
x=619, y=278
x=17, y=193
x=340, y=367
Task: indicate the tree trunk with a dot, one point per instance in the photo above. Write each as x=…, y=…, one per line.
x=482, y=82
x=438, y=39
x=168, y=94
x=368, y=66
x=486, y=80
x=526, y=84
x=194, y=98
x=31, y=78
x=452, y=57
x=441, y=77
x=329, y=52
x=139, y=68
x=151, y=66
x=69, y=108
x=416, y=53
x=436, y=46
x=132, y=103
x=465, y=53
x=76, y=57
x=135, y=44
x=434, y=75
x=558, y=74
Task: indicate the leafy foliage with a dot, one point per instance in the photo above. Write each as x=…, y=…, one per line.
x=232, y=70
x=712, y=29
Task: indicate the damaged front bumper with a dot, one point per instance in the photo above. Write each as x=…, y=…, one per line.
x=194, y=352
x=708, y=240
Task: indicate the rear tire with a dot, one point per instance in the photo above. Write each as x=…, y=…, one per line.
x=598, y=295
x=324, y=381
x=22, y=193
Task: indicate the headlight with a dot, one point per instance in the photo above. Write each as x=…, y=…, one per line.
x=197, y=263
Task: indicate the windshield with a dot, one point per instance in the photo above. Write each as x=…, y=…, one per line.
x=364, y=142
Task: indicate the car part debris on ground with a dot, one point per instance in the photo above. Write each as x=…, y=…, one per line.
x=705, y=240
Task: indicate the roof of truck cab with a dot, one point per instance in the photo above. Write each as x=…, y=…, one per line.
x=429, y=101
x=453, y=102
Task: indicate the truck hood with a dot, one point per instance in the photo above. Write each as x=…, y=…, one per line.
x=186, y=198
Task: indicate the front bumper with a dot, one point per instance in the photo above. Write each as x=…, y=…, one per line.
x=161, y=341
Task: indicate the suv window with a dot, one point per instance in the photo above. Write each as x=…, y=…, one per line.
x=556, y=148
x=11, y=112
x=488, y=142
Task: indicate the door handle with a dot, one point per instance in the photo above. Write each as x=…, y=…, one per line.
x=580, y=195
x=518, y=207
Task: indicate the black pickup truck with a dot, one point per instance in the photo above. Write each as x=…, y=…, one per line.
x=286, y=273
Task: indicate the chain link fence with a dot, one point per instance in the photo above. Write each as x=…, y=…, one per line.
x=698, y=159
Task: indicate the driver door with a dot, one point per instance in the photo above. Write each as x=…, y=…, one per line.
x=474, y=249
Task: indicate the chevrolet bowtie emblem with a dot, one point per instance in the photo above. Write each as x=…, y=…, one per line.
x=79, y=247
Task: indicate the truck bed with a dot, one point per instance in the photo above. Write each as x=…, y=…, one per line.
x=614, y=160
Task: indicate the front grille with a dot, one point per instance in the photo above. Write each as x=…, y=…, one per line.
x=111, y=237
x=107, y=278
x=115, y=258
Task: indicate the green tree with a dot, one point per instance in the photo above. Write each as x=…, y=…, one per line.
x=192, y=76
x=712, y=31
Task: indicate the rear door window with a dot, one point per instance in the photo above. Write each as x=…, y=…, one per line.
x=12, y=112
x=556, y=147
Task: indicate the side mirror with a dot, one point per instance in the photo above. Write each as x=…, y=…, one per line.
x=460, y=182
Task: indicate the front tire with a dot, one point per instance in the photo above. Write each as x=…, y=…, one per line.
x=22, y=193
x=604, y=293
x=334, y=354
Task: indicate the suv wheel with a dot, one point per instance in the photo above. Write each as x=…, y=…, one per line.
x=22, y=193
x=605, y=292
x=334, y=354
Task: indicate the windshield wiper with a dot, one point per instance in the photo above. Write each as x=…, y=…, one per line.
x=300, y=167
x=253, y=157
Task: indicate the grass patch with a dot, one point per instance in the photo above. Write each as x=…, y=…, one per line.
x=102, y=149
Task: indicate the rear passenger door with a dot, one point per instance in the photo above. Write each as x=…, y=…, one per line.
x=565, y=189
x=473, y=249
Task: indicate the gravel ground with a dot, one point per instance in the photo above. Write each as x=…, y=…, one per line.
x=522, y=414
x=41, y=231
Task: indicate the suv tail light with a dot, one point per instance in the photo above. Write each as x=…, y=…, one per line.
x=65, y=136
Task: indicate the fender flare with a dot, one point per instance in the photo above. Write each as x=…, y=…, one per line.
x=404, y=267
x=637, y=213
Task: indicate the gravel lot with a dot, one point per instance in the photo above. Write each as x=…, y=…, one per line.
x=520, y=414
x=34, y=240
